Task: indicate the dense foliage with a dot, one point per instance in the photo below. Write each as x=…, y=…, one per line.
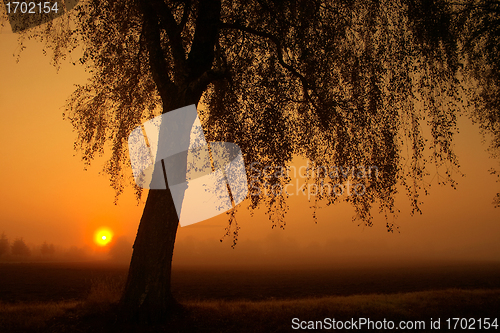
x=344, y=84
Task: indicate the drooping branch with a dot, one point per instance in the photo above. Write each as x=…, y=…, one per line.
x=308, y=89
x=279, y=50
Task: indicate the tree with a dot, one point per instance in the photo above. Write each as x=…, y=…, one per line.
x=47, y=250
x=19, y=248
x=341, y=83
x=4, y=245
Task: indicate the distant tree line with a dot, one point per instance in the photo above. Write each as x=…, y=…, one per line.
x=19, y=249
x=120, y=251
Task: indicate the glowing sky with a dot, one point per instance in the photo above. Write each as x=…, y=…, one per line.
x=47, y=196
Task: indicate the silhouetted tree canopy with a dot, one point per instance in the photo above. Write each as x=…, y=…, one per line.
x=480, y=25
x=341, y=83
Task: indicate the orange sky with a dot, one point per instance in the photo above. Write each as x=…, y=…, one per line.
x=47, y=196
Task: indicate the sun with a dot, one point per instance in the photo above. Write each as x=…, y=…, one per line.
x=103, y=236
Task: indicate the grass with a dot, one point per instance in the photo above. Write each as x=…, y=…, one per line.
x=37, y=316
x=105, y=290
x=31, y=316
x=95, y=313
x=277, y=315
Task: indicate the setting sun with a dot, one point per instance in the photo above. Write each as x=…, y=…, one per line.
x=103, y=236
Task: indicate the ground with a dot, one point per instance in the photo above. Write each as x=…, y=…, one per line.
x=81, y=297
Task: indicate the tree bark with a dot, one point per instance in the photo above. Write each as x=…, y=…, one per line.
x=147, y=297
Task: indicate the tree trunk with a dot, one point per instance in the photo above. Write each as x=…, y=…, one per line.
x=147, y=297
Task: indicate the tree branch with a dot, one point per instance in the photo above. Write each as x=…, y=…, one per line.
x=159, y=66
x=205, y=38
x=173, y=31
x=185, y=15
x=200, y=84
x=275, y=40
x=305, y=84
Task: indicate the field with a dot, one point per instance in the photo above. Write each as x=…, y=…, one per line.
x=81, y=296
